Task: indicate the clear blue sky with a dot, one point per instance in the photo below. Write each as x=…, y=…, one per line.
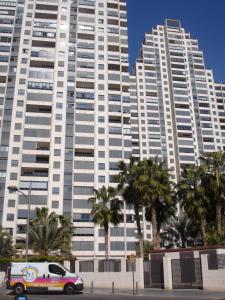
x=204, y=19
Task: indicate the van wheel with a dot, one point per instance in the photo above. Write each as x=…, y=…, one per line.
x=69, y=289
x=19, y=289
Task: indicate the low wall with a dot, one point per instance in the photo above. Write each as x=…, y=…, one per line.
x=213, y=280
x=2, y=276
x=121, y=279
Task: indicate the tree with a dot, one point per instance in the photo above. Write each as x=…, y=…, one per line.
x=126, y=178
x=155, y=186
x=180, y=231
x=50, y=232
x=215, y=163
x=147, y=247
x=105, y=210
x=6, y=244
x=192, y=196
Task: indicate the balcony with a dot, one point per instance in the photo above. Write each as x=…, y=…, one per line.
x=34, y=172
x=84, y=152
x=42, y=159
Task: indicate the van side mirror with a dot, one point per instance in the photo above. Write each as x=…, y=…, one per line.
x=63, y=273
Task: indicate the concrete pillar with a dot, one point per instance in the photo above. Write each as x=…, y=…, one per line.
x=77, y=269
x=204, y=266
x=139, y=274
x=96, y=265
x=66, y=264
x=167, y=271
x=123, y=265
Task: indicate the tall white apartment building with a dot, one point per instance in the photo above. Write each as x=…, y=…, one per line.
x=69, y=110
x=175, y=111
x=220, y=102
x=65, y=113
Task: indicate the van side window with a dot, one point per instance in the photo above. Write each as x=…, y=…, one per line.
x=55, y=269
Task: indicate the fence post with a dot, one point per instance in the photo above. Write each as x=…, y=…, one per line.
x=113, y=287
x=133, y=276
x=92, y=286
x=136, y=287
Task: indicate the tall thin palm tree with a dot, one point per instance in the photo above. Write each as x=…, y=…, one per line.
x=105, y=210
x=126, y=178
x=193, y=197
x=155, y=186
x=50, y=232
x=215, y=163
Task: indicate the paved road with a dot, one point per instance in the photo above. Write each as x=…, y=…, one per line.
x=124, y=295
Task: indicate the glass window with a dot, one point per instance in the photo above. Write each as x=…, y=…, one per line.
x=55, y=269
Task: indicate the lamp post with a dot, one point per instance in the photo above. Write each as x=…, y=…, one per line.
x=15, y=189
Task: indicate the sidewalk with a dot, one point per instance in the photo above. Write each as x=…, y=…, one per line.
x=162, y=294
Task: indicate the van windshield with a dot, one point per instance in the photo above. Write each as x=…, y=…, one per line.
x=64, y=268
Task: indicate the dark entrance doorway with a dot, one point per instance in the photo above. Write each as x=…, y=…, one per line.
x=153, y=272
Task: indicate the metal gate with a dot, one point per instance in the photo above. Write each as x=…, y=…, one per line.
x=186, y=273
x=153, y=273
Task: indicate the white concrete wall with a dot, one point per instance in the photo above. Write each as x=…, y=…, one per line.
x=2, y=276
x=121, y=279
x=213, y=280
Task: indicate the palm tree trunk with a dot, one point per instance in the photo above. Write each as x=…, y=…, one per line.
x=154, y=228
x=158, y=239
x=158, y=234
x=183, y=241
x=218, y=217
x=106, y=242
x=203, y=232
x=140, y=236
x=218, y=206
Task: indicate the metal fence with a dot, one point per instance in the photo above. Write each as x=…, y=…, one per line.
x=4, y=266
x=86, y=266
x=186, y=273
x=153, y=274
x=221, y=261
x=109, y=265
x=130, y=266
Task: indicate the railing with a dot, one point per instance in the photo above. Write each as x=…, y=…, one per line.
x=109, y=266
x=86, y=266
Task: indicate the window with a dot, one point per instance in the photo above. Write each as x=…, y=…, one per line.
x=55, y=269
x=101, y=179
x=101, y=166
x=55, y=190
x=40, y=85
x=10, y=217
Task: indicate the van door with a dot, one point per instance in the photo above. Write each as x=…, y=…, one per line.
x=55, y=277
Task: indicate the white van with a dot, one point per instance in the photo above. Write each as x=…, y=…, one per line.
x=24, y=276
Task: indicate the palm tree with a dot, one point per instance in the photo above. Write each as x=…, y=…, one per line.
x=6, y=244
x=105, y=210
x=155, y=186
x=192, y=196
x=126, y=178
x=50, y=232
x=180, y=231
x=215, y=163
x=147, y=247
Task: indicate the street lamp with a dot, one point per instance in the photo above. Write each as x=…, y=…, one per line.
x=15, y=189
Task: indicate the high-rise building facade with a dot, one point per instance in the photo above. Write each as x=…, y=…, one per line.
x=65, y=113
x=174, y=106
x=69, y=111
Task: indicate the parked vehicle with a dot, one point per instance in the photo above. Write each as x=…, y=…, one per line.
x=24, y=276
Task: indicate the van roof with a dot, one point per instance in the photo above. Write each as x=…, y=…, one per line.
x=30, y=262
